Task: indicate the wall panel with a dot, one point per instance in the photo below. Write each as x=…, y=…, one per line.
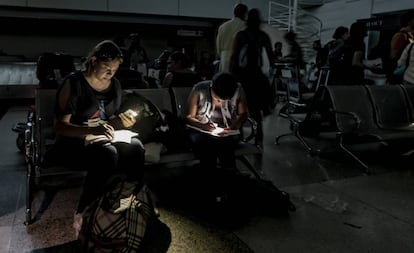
x=381, y=6
x=340, y=13
x=91, y=5
x=262, y=5
x=161, y=7
x=13, y=2
x=210, y=8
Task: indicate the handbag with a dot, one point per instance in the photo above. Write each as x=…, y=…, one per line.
x=400, y=70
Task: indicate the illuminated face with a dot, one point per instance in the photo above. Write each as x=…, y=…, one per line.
x=106, y=69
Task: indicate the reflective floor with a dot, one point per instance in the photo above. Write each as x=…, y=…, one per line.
x=339, y=208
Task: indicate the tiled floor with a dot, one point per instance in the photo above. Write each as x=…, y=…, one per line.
x=339, y=208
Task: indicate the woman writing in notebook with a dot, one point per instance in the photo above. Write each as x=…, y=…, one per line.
x=212, y=105
x=88, y=104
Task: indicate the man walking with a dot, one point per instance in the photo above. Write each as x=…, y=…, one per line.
x=226, y=33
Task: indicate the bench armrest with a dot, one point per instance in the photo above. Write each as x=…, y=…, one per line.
x=248, y=130
x=355, y=121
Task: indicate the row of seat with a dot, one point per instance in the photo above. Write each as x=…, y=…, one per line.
x=357, y=115
x=40, y=134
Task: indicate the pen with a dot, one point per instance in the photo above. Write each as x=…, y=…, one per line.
x=210, y=121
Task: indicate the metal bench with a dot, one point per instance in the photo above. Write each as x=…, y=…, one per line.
x=39, y=136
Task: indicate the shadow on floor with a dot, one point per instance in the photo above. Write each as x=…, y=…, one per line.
x=221, y=198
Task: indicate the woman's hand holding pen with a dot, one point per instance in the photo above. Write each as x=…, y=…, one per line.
x=104, y=129
x=209, y=126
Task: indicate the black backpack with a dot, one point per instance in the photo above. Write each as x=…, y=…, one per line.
x=149, y=119
x=117, y=221
x=336, y=54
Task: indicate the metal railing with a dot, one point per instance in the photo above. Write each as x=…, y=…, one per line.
x=286, y=15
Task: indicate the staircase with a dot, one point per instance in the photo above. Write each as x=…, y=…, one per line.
x=287, y=15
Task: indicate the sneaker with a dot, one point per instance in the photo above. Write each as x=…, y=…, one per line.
x=77, y=223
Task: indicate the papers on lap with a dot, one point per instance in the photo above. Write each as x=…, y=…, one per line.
x=119, y=136
x=218, y=131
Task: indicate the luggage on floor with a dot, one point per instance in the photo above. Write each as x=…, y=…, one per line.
x=117, y=221
x=225, y=198
x=237, y=198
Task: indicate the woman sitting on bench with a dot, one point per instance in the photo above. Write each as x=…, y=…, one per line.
x=88, y=105
x=216, y=111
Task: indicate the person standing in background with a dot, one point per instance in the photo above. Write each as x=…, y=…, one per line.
x=295, y=54
x=398, y=42
x=407, y=58
x=353, y=69
x=335, y=51
x=277, y=50
x=226, y=33
x=136, y=55
x=320, y=61
x=246, y=65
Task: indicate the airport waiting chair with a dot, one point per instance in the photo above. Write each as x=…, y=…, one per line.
x=391, y=107
x=372, y=121
x=323, y=78
x=409, y=92
x=39, y=137
x=296, y=106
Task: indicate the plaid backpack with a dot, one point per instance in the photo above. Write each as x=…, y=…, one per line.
x=117, y=221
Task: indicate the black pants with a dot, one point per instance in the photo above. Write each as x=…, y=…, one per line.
x=208, y=149
x=101, y=161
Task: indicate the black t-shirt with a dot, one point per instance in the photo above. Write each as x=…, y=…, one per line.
x=353, y=74
x=84, y=102
x=247, y=55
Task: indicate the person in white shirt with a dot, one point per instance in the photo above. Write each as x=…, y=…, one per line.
x=407, y=56
x=226, y=33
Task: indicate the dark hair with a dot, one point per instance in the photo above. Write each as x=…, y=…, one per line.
x=358, y=31
x=253, y=18
x=406, y=17
x=240, y=10
x=224, y=85
x=339, y=32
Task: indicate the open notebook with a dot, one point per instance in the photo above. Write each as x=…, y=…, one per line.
x=119, y=136
x=218, y=131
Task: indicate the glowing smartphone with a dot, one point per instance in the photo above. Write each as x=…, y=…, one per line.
x=130, y=113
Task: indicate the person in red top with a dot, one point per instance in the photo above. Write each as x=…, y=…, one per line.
x=400, y=40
